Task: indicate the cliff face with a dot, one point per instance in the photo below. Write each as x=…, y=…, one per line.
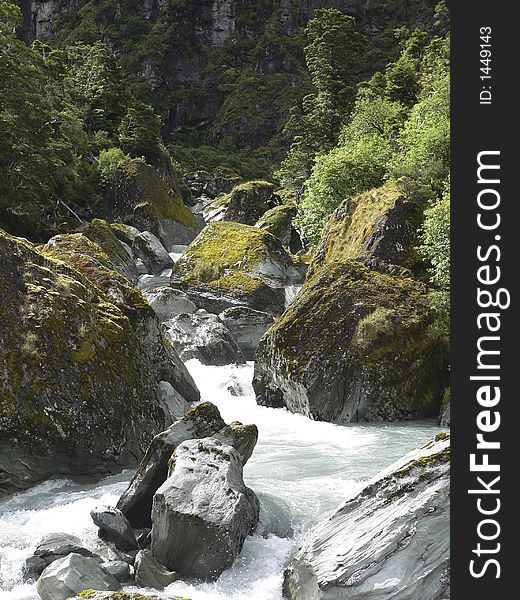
x=218, y=71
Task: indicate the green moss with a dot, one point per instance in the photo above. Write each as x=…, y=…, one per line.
x=152, y=190
x=225, y=255
x=65, y=340
x=369, y=325
x=346, y=233
x=205, y=411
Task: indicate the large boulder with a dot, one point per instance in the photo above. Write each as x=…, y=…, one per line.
x=81, y=360
x=247, y=326
x=136, y=501
x=389, y=539
x=88, y=258
x=246, y=203
x=52, y=547
x=203, y=512
x=114, y=528
x=169, y=303
x=139, y=197
x=230, y=264
x=100, y=232
x=354, y=345
x=149, y=249
x=73, y=574
x=380, y=224
x=204, y=337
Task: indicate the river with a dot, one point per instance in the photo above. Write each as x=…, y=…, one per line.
x=300, y=470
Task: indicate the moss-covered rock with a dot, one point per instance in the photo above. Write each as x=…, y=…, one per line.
x=246, y=202
x=79, y=372
x=101, y=233
x=355, y=345
x=139, y=197
x=278, y=221
x=231, y=264
x=220, y=180
x=380, y=224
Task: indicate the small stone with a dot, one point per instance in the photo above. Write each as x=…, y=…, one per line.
x=150, y=573
x=114, y=528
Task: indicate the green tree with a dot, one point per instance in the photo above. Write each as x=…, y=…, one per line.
x=27, y=159
x=140, y=132
x=108, y=161
x=96, y=85
x=333, y=60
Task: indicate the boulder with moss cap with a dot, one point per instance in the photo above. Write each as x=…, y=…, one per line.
x=231, y=264
x=379, y=224
x=245, y=203
x=81, y=359
x=139, y=197
x=390, y=538
x=278, y=221
x=100, y=232
x=355, y=345
x=88, y=258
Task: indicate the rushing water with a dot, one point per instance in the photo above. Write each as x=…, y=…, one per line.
x=300, y=470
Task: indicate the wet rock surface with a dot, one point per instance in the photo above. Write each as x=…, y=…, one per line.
x=203, y=512
x=391, y=537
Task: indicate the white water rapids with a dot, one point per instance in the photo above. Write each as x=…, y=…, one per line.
x=300, y=470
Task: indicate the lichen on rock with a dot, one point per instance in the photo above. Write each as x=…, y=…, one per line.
x=379, y=224
x=139, y=197
x=239, y=264
x=355, y=344
x=79, y=369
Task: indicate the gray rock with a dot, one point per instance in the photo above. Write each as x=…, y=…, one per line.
x=445, y=417
x=204, y=337
x=53, y=547
x=247, y=326
x=141, y=267
x=144, y=537
x=119, y=569
x=241, y=437
x=174, y=403
x=390, y=538
x=168, y=302
x=73, y=574
x=136, y=501
x=125, y=233
x=203, y=512
x=149, y=249
x=150, y=573
x=114, y=528
x=234, y=386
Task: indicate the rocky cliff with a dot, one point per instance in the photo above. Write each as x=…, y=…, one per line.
x=219, y=71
